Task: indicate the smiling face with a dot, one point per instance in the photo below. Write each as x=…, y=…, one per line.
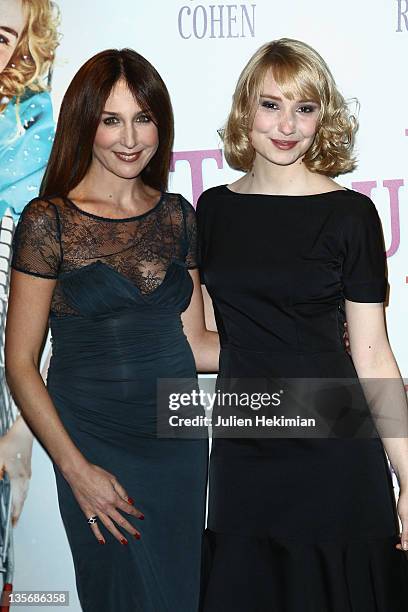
x=283, y=130
x=12, y=22
x=126, y=138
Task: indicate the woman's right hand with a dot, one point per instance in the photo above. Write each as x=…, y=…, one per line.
x=100, y=494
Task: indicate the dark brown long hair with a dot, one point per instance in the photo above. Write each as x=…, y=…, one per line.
x=81, y=110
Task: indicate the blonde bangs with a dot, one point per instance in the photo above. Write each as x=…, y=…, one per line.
x=296, y=82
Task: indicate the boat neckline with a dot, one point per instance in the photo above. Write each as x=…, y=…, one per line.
x=286, y=195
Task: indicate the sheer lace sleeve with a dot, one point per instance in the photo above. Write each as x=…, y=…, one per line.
x=37, y=240
x=190, y=226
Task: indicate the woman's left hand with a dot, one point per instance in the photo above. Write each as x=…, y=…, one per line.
x=402, y=508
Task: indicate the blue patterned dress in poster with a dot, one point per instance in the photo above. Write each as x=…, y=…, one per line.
x=26, y=136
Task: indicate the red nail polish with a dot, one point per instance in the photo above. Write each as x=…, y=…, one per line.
x=137, y=536
x=101, y=542
x=130, y=501
x=123, y=541
x=141, y=517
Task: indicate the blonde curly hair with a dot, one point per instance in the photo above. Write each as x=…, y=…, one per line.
x=299, y=71
x=34, y=55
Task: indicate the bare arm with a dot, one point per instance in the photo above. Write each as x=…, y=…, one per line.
x=203, y=341
x=96, y=491
x=27, y=321
x=373, y=359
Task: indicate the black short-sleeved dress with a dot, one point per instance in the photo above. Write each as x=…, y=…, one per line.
x=295, y=525
x=116, y=329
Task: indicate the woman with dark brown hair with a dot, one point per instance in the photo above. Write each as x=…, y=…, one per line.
x=111, y=257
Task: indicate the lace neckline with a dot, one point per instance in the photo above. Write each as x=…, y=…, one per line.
x=114, y=219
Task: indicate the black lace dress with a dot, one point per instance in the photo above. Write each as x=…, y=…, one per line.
x=115, y=323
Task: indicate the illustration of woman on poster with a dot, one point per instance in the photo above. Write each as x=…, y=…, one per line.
x=28, y=39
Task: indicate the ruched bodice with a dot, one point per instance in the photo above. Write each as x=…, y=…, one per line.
x=98, y=289
x=123, y=338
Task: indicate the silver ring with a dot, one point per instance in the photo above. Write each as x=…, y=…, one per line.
x=92, y=520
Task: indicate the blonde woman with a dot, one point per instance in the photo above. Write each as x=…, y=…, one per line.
x=28, y=39
x=300, y=524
